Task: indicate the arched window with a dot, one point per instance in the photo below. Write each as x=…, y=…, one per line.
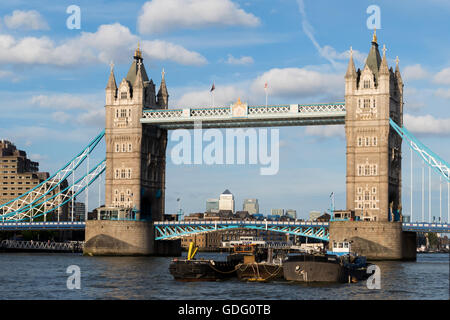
x=374, y=141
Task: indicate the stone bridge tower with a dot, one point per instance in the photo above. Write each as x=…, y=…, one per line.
x=372, y=96
x=135, y=154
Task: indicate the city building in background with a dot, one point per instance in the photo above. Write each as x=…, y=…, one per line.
x=79, y=211
x=251, y=206
x=212, y=241
x=277, y=212
x=212, y=205
x=291, y=213
x=226, y=201
x=313, y=215
x=18, y=174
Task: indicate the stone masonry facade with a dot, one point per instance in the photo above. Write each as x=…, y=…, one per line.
x=372, y=96
x=135, y=155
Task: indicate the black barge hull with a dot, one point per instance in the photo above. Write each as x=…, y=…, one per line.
x=202, y=270
x=310, y=268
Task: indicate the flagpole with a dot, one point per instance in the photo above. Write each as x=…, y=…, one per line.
x=212, y=94
x=266, y=98
x=265, y=89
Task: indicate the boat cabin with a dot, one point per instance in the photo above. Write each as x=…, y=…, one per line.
x=340, y=248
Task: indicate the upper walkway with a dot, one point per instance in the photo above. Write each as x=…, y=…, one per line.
x=241, y=115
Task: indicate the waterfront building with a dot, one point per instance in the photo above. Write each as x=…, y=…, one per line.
x=251, y=206
x=291, y=213
x=277, y=212
x=212, y=205
x=18, y=175
x=226, y=201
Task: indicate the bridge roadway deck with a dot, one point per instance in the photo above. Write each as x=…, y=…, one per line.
x=80, y=225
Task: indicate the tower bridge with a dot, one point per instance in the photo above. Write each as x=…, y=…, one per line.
x=136, y=126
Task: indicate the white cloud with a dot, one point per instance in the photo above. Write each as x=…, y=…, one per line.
x=244, y=60
x=90, y=47
x=93, y=118
x=163, y=15
x=60, y=116
x=63, y=101
x=288, y=84
x=326, y=131
x=223, y=96
x=162, y=50
x=443, y=76
x=443, y=93
x=299, y=83
x=415, y=72
x=26, y=20
x=427, y=125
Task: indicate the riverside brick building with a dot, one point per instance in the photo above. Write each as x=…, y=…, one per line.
x=18, y=174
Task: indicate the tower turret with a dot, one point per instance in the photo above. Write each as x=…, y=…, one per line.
x=373, y=150
x=111, y=87
x=163, y=95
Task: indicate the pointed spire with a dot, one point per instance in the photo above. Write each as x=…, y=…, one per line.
x=374, y=37
x=373, y=60
x=163, y=95
x=397, y=71
x=138, y=53
x=112, y=80
x=139, y=83
x=351, y=71
x=384, y=69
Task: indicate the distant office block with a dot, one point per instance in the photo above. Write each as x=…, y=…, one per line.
x=226, y=201
x=291, y=213
x=212, y=205
x=251, y=206
x=277, y=212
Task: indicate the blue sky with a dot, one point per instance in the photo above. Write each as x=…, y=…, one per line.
x=52, y=81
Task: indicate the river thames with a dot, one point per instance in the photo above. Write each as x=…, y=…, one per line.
x=43, y=276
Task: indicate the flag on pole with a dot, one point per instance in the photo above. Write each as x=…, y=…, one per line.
x=212, y=93
x=265, y=89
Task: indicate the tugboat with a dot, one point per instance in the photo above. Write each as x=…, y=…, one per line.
x=191, y=269
x=338, y=265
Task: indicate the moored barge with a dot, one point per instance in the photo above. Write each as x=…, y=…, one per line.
x=334, y=266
